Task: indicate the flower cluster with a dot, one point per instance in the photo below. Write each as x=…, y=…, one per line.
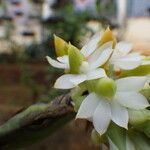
x=109, y=72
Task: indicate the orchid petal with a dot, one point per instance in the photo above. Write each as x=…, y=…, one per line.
x=56, y=64
x=88, y=106
x=132, y=100
x=102, y=117
x=90, y=46
x=115, y=55
x=128, y=62
x=68, y=81
x=131, y=83
x=124, y=47
x=95, y=74
x=77, y=79
x=119, y=114
x=97, y=53
x=63, y=59
x=103, y=58
x=135, y=54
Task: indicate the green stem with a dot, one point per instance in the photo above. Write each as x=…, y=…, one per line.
x=35, y=123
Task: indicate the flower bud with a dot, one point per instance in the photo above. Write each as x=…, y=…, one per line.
x=106, y=87
x=107, y=37
x=61, y=46
x=75, y=59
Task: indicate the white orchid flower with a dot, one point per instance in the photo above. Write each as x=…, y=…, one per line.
x=88, y=68
x=83, y=70
x=101, y=110
x=69, y=81
x=123, y=59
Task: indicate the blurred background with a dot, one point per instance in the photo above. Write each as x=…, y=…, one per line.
x=26, y=37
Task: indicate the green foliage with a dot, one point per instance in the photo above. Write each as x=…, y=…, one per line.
x=140, y=140
x=117, y=136
x=138, y=116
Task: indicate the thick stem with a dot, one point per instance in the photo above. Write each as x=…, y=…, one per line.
x=35, y=123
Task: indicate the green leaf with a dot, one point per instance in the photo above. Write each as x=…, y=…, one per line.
x=138, y=116
x=140, y=119
x=117, y=136
x=144, y=127
x=139, y=71
x=75, y=59
x=96, y=138
x=140, y=141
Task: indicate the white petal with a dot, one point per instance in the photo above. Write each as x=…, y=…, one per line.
x=132, y=100
x=95, y=74
x=102, y=59
x=112, y=146
x=131, y=83
x=56, y=64
x=119, y=114
x=63, y=59
x=96, y=54
x=135, y=54
x=124, y=47
x=115, y=55
x=102, y=117
x=77, y=79
x=90, y=46
x=128, y=62
x=88, y=107
x=67, y=81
